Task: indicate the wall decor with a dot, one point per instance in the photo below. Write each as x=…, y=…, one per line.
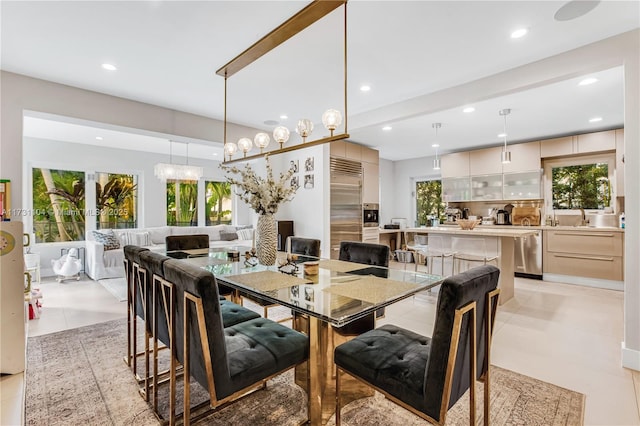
x=308, y=164
x=308, y=181
x=293, y=164
x=295, y=182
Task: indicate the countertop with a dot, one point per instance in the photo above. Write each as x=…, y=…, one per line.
x=493, y=228
x=484, y=231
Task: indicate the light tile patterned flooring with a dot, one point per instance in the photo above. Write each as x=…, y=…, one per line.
x=563, y=334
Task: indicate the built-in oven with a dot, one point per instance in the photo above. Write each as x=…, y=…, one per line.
x=370, y=214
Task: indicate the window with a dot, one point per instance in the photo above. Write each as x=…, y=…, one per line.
x=58, y=205
x=116, y=200
x=182, y=203
x=580, y=182
x=217, y=202
x=429, y=203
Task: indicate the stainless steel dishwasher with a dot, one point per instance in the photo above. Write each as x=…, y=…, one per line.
x=528, y=256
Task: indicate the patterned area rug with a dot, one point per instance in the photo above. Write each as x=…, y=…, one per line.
x=78, y=377
x=116, y=286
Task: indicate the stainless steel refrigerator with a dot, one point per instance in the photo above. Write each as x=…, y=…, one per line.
x=346, y=202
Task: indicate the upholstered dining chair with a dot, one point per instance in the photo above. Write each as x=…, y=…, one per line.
x=301, y=246
x=227, y=362
x=136, y=304
x=428, y=375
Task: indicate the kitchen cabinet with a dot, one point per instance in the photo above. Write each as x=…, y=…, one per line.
x=455, y=165
x=353, y=151
x=557, y=147
x=524, y=157
x=485, y=161
x=338, y=149
x=523, y=185
x=580, y=144
x=369, y=155
x=371, y=235
x=598, y=141
x=584, y=253
x=619, y=163
x=371, y=183
x=456, y=189
x=487, y=187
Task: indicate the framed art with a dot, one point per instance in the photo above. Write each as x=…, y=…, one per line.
x=308, y=164
x=308, y=181
x=295, y=182
x=293, y=164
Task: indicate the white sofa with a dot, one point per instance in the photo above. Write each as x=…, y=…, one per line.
x=103, y=263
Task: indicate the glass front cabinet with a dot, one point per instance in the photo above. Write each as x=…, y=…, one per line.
x=456, y=189
x=522, y=186
x=486, y=187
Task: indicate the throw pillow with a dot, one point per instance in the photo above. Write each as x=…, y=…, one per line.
x=228, y=236
x=245, y=234
x=107, y=239
x=141, y=239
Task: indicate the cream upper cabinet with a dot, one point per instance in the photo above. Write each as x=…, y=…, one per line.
x=371, y=183
x=619, y=163
x=353, y=152
x=485, y=161
x=455, y=165
x=557, y=147
x=598, y=141
x=524, y=157
x=369, y=155
x=338, y=149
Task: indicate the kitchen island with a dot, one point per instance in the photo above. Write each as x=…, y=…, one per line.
x=498, y=240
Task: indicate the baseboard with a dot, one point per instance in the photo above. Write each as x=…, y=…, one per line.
x=630, y=358
x=587, y=282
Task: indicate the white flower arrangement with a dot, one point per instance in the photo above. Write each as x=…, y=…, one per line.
x=264, y=195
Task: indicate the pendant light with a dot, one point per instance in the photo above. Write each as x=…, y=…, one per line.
x=505, y=155
x=166, y=171
x=436, y=161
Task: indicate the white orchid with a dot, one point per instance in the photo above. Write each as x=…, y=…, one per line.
x=264, y=195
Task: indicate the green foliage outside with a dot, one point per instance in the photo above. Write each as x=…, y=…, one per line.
x=217, y=194
x=429, y=201
x=58, y=205
x=116, y=198
x=584, y=186
x=182, y=203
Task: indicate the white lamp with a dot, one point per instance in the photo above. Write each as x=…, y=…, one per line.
x=166, y=171
x=230, y=148
x=436, y=161
x=505, y=155
x=331, y=119
x=281, y=135
x=261, y=140
x=304, y=128
x=245, y=145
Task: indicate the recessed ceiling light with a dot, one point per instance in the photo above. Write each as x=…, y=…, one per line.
x=468, y=109
x=587, y=81
x=109, y=67
x=502, y=135
x=284, y=117
x=595, y=119
x=435, y=145
x=521, y=32
x=387, y=128
x=365, y=88
x=215, y=154
x=99, y=138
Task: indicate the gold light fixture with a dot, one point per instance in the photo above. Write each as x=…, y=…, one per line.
x=436, y=145
x=230, y=149
x=332, y=118
x=304, y=128
x=505, y=155
x=281, y=135
x=245, y=145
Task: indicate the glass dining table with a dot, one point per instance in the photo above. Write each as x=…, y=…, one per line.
x=325, y=296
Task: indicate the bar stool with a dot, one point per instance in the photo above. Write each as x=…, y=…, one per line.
x=469, y=250
x=431, y=247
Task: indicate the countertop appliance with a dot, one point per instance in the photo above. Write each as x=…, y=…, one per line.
x=453, y=214
x=528, y=256
x=345, y=203
x=370, y=214
x=12, y=305
x=503, y=218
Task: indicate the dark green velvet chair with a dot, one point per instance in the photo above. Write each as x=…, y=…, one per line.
x=136, y=303
x=230, y=361
x=428, y=375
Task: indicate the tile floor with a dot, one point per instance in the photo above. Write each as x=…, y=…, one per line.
x=564, y=334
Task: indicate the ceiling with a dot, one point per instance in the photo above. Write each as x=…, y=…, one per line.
x=167, y=54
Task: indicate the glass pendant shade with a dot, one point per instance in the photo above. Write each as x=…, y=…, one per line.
x=506, y=157
x=304, y=128
x=436, y=164
x=261, y=140
x=245, y=145
x=331, y=119
x=230, y=148
x=281, y=135
x=165, y=171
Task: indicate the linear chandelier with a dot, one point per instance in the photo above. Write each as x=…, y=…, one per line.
x=168, y=171
x=331, y=119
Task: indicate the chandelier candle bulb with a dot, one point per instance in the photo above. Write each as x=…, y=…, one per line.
x=261, y=140
x=304, y=128
x=245, y=144
x=281, y=135
x=331, y=119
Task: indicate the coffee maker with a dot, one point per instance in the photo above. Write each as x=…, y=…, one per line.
x=453, y=214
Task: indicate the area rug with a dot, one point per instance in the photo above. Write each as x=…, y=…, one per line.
x=116, y=286
x=78, y=377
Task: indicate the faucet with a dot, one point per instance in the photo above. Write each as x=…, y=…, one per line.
x=583, y=219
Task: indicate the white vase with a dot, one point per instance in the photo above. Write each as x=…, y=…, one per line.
x=267, y=244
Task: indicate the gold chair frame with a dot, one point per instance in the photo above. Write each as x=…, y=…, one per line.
x=470, y=308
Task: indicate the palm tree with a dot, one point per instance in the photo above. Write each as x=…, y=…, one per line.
x=217, y=192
